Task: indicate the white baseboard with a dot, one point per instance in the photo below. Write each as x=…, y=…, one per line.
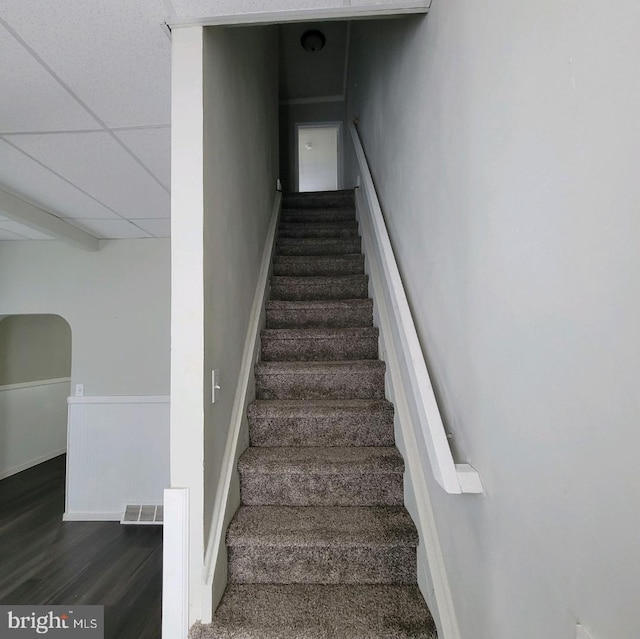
x=92, y=516
x=31, y=463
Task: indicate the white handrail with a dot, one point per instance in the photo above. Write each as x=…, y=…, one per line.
x=386, y=281
x=249, y=356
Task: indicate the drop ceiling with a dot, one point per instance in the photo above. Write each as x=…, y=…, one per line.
x=85, y=112
x=85, y=115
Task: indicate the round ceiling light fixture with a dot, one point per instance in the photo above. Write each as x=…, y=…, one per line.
x=313, y=40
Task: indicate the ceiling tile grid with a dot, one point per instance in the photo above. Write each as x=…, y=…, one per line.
x=85, y=128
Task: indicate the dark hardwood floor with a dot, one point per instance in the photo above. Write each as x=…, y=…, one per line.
x=44, y=560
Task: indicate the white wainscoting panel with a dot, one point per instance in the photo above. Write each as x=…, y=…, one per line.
x=117, y=454
x=33, y=423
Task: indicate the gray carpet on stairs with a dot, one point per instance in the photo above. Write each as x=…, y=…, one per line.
x=322, y=546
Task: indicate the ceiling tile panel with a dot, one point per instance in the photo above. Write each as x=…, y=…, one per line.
x=111, y=229
x=157, y=228
x=114, y=55
x=97, y=164
x=153, y=147
x=24, y=84
x=26, y=177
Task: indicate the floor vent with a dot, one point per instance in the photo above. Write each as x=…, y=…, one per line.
x=143, y=514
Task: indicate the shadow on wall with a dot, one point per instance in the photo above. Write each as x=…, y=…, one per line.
x=35, y=371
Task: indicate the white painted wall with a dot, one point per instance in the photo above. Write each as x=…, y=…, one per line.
x=224, y=171
x=504, y=141
x=187, y=317
x=118, y=454
x=116, y=301
x=240, y=172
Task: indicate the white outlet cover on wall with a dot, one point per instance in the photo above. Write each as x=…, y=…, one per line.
x=581, y=633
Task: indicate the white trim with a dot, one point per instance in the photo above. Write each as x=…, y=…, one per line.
x=175, y=564
x=347, y=49
x=32, y=462
x=120, y=399
x=453, y=479
x=91, y=516
x=40, y=382
x=305, y=15
x=240, y=401
x=315, y=100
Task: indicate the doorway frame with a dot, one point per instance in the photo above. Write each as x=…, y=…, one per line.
x=340, y=150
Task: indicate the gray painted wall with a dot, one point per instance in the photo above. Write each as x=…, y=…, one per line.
x=116, y=301
x=34, y=347
x=504, y=139
x=240, y=172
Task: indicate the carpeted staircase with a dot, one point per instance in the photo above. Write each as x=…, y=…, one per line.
x=322, y=546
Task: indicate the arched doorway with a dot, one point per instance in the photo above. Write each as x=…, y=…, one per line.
x=35, y=376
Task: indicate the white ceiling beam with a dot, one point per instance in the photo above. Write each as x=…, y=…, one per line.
x=346, y=12
x=36, y=218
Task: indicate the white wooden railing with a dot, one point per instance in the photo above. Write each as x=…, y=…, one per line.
x=421, y=423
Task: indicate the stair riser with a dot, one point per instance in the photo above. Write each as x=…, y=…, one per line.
x=307, y=289
x=324, y=267
x=318, y=215
x=335, y=317
x=322, y=565
x=330, y=348
x=318, y=202
x=306, y=231
x=295, y=246
x=339, y=385
x=327, y=431
x=297, y=489
x=335, y=428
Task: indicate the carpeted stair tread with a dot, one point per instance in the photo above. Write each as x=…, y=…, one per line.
x=308, y=344
x=321, y=461
x=346, y=422
x=326, y=545
x=291, y=526
x=345, y=214
x=309, y=265
x=317, y=245
x=274, y=611
x=328, y=287
x=319, y=199
x=319, y=313
x=348, y=229
x=349, y=379
x=350, y=476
